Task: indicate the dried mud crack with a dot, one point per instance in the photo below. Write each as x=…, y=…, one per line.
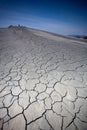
x=43, y=81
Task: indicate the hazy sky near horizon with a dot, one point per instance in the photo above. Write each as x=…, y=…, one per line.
x=60, y=16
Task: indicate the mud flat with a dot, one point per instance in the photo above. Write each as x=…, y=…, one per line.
x=43, y=81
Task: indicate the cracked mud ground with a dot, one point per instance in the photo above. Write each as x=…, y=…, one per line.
x=43, y=81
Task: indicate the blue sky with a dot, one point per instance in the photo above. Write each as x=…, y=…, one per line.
x=60, y=16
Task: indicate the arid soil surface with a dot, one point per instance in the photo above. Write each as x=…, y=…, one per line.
x=43, y=81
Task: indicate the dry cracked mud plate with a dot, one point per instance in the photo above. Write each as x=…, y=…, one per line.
x=43, y=81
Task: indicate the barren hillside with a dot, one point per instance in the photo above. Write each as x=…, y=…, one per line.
x=43, y=81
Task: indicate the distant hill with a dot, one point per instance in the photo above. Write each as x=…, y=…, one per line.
x=79, y=36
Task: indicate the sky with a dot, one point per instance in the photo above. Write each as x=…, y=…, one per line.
x=67, y=17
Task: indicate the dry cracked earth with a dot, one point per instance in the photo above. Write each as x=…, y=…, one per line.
x=43, y=81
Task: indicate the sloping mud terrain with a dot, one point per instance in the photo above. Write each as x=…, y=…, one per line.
x=43, y=81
